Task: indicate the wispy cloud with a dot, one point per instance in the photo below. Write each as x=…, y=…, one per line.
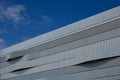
x=45, y=19
x=17, y=14
x=14, y=13
x=25, y=38
x=3, y=31
x=1, y=43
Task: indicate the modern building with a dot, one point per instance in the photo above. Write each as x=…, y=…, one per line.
x=85, y=50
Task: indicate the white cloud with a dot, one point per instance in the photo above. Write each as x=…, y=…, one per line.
x=15, y=13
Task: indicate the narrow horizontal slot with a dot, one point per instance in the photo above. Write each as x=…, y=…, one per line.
x=23, y=69
x=96, y=61
x=14, y=59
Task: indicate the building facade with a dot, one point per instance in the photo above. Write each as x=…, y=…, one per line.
x=85, y=50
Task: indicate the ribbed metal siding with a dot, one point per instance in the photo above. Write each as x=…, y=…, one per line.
x=104, y=49
x=115, y=77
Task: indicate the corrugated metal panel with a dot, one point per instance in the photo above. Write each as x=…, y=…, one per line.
x=99, y=50
x=114, y=77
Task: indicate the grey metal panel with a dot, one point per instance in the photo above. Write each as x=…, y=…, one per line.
x=77, y=69
x=2, y=58
x=99, y=50
x=70, y=38
x=4, y=64
x=12, y=62
x=75, y=44
x=88, y=75
x=37, y=62
x=113, y=77
x=104, y=49
x=68, y=30
x=93, y=74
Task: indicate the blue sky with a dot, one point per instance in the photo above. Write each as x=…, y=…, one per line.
x=24, y=19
